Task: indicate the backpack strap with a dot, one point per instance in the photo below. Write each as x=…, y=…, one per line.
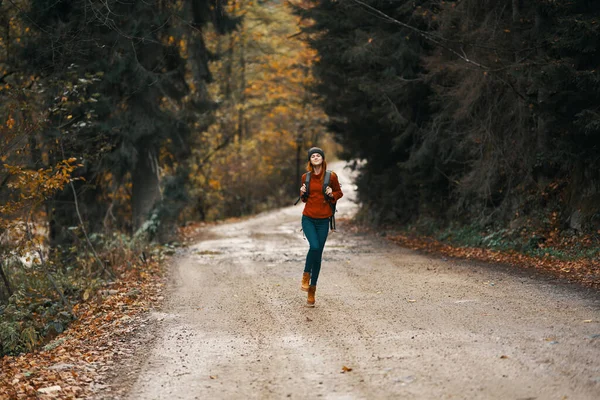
x=326, y=180
x=307, y=183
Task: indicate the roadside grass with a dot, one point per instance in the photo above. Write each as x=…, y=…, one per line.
x=44, y=296
x=567, y=254
x=563, y=246
x=72, y=360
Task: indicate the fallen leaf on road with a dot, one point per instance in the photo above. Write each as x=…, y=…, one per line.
x=50, y=389
x=412, y=301
x=588, y=320
x=346, y=369
x=213, y=377
x=503, y=357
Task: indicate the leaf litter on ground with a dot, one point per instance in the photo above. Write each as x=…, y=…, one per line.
x=585, y=271
x=76, y=363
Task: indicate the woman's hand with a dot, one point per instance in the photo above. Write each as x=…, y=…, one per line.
x=329, y=191
x=302, y=189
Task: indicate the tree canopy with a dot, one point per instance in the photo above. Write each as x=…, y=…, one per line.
x=465, y=110
x=123, y=121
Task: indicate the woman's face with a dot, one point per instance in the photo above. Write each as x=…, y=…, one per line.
x=316, y=159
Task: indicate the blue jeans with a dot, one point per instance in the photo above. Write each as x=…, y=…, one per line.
x=315, y=230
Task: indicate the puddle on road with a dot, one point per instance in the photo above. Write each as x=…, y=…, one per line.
x=207, y=252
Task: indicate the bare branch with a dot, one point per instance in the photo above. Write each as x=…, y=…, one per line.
x=81, y=224
x=57, y=288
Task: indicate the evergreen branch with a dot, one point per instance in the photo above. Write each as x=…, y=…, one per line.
x=437, y=40
x=28, y=17
x=445, y=39
x=518, y=62
x=111, y=24
x=186, y=22
x=514, y=89
x=9, y=73
x=395, y=108
x=37, y=26
x=426, y=35
x=10, y=146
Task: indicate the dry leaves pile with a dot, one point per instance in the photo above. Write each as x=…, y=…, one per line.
x=583, y=270
x=75, y=364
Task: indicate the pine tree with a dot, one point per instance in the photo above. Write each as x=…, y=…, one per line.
x=117, y=79
x=466, y=110
x=369, y=71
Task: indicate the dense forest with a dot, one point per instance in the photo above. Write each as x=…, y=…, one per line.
x=122, y=121
x=467, y=111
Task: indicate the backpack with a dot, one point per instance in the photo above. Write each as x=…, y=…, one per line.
x=326, y=180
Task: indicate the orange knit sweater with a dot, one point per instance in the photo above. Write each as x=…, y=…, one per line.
x=316, y=206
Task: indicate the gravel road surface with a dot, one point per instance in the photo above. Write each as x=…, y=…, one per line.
x=389, y=323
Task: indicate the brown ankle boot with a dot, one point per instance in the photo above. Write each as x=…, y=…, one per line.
x=305, y=281
x=310, y=302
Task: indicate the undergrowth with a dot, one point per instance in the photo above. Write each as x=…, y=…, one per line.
x=38, y=310
x=566, y=245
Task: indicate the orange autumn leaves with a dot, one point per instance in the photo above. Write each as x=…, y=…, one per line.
x=266, y=112
x=41, y=183
x=10, y=122
x=263, y=75
x=30, y=187
x=75, y=364
x=583, y=270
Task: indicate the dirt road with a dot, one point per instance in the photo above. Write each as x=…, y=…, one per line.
x=408, y=326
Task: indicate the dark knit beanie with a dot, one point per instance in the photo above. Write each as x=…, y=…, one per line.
x=314, y=150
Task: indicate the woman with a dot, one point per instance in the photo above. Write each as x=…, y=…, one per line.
x=315, y=217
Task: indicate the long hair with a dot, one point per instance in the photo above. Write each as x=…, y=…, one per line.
x=309, y=167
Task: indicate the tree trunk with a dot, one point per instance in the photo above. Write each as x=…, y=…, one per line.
x=8, y=40
x=516, y=10
x=299, y=143
x=145, y=187
x=542, y=126
x=516, y=28
x=198, y=51
x=5, y=280
x=241, y=115
x=229, y=67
